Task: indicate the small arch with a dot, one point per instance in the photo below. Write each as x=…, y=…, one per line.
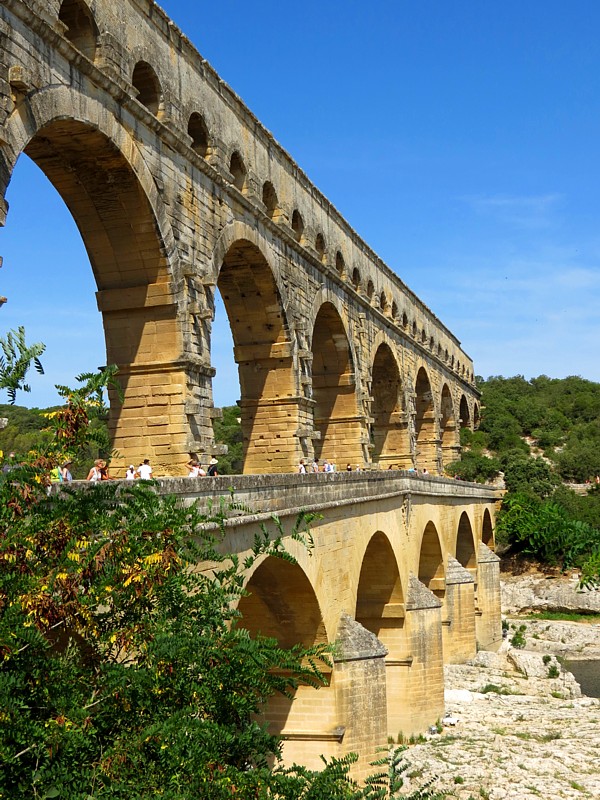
x=431, y=344
x=340, y=265
x=297, y=225
x=394, y=310
x=439, y=350
x=383, y=302
x=465, y=416
x=487, y=530
x=423, y=336
x=270, y=200
x=448, y=430
x=414, y=329
x=81, y=27
x=476, y=416
x=425, y=423
x=145, y=80
x=404, y=320
x=199, y=132
x=431, y=562
x=370, y=290
x=238, y=170
x=356, y=279
x=320, y=247
x=334, y=390
x=446, y=355
x=390, y=438
x=465, y=543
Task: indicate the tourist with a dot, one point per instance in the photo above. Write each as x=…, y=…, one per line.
x=131, y=473
x=425, y=471
x=315, y=465
x=196, y=470
x=95, y=474
x=65, y=471
x=145, y=470
x=358, y=468
x=348, y=467
x=212, y=468
x=327, y=467
x=301, y=467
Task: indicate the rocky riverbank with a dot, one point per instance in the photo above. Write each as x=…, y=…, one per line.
x=523, y=730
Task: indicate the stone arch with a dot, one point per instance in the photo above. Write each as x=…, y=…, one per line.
x=465, y=544
x=476, y=416
x=370, y=290
x=356, y=279
x=431, y=562
x=383, y=302
x=334, y=389
x=281, y=604
x=448, y=428
x=394, y=310
x=297, y=225
x=379, y=595
x=487, y=530
x=425, y=423
x=340, y=264
x=198, y=131
x=270, y=200
x=465, y=414
x=262, y=351
x=389, y=437
x=81, y=28
x=145, y=80
x=110, y=192
x=238, y=170
x=321, y=248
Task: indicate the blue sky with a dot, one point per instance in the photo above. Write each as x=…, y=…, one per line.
x=461, y=140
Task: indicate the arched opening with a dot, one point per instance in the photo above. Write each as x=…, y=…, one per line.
x=146, y=82
x=340, y=266
x=431, y=562
x=334, y=391
x=282, y=605
x=238, y=171
x=269, y=198
x=487, y=530
x=465, y=416
x=404, y=320
x=414, y=330
x=297, y=225
x=199, y=132
x=394, y=310
x=127, y=254
x=383, y=302
x=465, y=544
x=320, y=247
x=448, y=428
x=262, y=351
x=390, y=437
x=81, y=27
x=425, y=428
x=370, y=290
x=356, y=280
x=476, y=416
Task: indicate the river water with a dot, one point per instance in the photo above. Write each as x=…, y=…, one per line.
x=587, y=675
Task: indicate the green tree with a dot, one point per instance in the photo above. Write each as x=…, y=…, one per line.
x=15, y=360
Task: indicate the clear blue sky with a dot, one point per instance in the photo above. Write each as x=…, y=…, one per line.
x=461, y=140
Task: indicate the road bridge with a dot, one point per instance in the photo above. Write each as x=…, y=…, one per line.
x=179, y=191
x=402, y=576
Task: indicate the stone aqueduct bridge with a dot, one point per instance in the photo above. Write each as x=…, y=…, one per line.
x=177, y=189
x=402, y=576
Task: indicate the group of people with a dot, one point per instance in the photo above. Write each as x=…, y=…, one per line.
x=326, y=466
x=99, y=472
x=198, y=471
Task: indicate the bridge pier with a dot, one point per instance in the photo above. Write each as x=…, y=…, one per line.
x=459, y=641
x=488, y=620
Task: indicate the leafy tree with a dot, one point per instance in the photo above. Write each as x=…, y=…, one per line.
x=228, y=430
x=15, y=360
x=525, y=474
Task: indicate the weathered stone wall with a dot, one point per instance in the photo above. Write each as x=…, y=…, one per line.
x=178, y=190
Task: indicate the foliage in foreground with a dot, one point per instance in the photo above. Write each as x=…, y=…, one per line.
x=124, y=671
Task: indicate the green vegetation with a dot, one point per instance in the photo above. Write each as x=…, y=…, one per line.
x=541, y=434
x=564, y=616
x=518, y=639
x=228, y=430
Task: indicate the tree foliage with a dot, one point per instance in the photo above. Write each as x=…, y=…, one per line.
x=15, y=361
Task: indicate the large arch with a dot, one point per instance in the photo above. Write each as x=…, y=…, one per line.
x=465, y=414
x=282, y=604
x=448, y=428
x=390, y=438
x=431, y=561
x=334, y=391
x=487, y=530
x=263, y=353
x=425, y=424
x=465, y=544
x=380, y=608
x=112, y=197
